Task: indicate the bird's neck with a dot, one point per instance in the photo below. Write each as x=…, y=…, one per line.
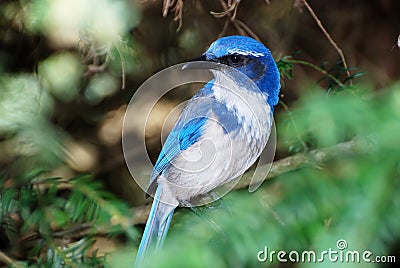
x=269, y=83
x=270, y=86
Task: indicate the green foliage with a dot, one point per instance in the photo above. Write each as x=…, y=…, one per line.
x=54, y=208
x=335, y=74
x=51, y=221
x=25, y=108
x=285, y=67
x=338, y=77
x=60, y=19
x=61, y=74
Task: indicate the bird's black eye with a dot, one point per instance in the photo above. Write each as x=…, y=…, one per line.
x=233, y=60
x=236, y=60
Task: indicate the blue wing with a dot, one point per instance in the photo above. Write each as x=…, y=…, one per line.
x=188, y=130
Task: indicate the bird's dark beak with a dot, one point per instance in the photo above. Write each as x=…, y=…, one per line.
x=201, y=58
x=196, y=63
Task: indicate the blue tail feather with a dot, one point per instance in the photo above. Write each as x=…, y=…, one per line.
x=156, y=227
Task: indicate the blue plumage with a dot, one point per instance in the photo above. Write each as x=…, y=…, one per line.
x=180, y=138
x=219, y=134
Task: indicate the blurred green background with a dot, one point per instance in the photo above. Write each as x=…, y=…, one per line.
x=69, y=68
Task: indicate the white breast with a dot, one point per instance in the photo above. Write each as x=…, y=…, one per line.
x=250, y=105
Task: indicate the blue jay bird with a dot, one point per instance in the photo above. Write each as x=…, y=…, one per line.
x=219, y=134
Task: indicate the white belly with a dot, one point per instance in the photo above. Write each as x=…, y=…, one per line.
x=215, y=160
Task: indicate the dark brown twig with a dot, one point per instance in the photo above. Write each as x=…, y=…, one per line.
x=9, y=261
x=229, y=11
x=177, y=7
x=330, y=39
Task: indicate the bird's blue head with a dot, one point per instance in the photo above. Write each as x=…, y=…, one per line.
x=251, y=58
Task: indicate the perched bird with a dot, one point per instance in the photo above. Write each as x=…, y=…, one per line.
x=219, y=134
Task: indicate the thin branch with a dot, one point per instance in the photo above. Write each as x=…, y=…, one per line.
x=167, y=4
x=328, y=36
x=279, y=167
x=310, y=158
x=337, y=81
x=72, y=233
x=226, y=24
x=9, y=261
x=177, y=7
x=240, y=30
x=123, y=78
x=247, y=29
x=178, y=14
x=229, y=11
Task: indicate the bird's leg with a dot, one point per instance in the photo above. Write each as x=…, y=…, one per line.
x=200, y=211
x=217, y=201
